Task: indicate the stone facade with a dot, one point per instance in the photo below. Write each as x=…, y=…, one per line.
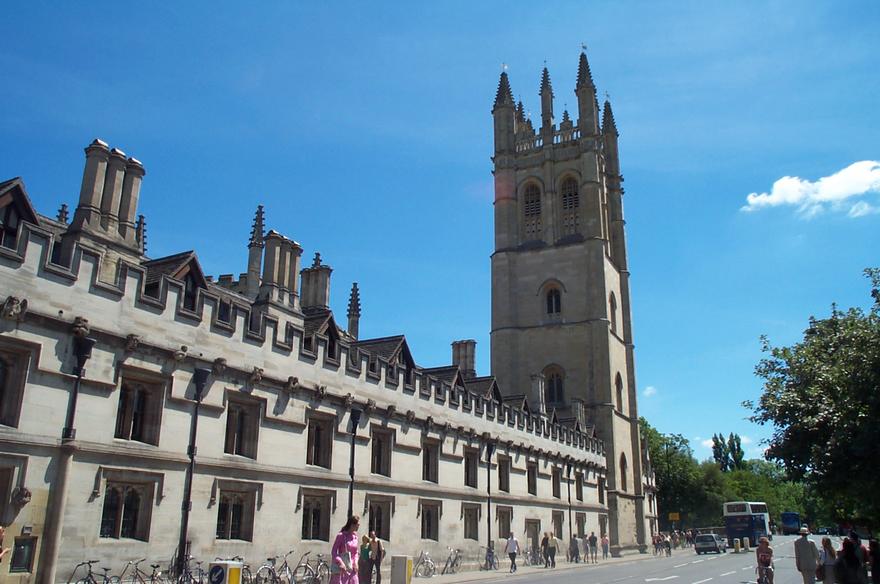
x=561, y=318
x=95, y=465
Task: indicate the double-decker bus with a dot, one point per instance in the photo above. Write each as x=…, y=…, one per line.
x=749, y=519
x=791, y=522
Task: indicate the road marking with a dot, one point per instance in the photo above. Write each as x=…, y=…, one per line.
x=728, y=573
x=701, y=581
x=660, y=579
x=697, y=561
x=680, y=565
x=747, y=568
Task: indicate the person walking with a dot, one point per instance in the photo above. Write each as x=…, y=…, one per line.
x=377, y=554
x=874, y=560
x=574, y=552
x=827, y=557
x=806, y=557
x=848, y=568
x=552, y=546
x=605, y=545
x=545, y=550
x=344, y=554
x=364, y=559
x=586, y=539
x=511, y=548
x=594, y=548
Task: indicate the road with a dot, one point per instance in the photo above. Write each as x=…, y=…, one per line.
x=684, y=567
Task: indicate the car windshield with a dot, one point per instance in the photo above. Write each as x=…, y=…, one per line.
x=706, y=538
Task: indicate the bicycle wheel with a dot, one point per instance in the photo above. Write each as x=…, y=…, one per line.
x=456, y=564
x=322, y=573
x=246, y=576
x=266, y=575
x=303, y=574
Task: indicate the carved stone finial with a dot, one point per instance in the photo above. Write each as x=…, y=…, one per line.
x=370, y=406
x=14, y=308
x=81, y=327
x=292, y=384
x=256, y=375
x=132, y=342
x=410, y=416
x=219, y=366
x=316, y=263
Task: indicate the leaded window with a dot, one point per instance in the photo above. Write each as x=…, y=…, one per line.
x=124, y=514
x=570, y=205
x=532, y=212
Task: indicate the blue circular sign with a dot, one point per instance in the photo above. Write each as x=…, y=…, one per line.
x=217, y=574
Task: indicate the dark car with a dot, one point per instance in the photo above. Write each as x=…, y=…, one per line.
x=710, y=542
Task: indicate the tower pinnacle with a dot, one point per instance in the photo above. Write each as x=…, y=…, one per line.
x=354, y=310
x=504, y=96
x=608, y=125
x=585, y=76
x=257, y=231
x=546, y=86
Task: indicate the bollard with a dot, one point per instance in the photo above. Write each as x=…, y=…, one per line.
x=745, y=544
x=736, y=545
x=401, y=569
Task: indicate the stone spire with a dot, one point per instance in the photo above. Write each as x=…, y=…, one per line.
x=608, y=125
x=546, y=86
x=546, y=106
x=520, y=113
x=258, y=229
x=565, y=117
x=504, y=96
x=140, y=231
x=62, y=214
x=354, y=310
x=585, y=76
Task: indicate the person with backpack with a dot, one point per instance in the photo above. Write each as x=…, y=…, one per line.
x=848, y=568
x=377, y=554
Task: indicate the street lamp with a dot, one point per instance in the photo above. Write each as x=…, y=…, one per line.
x=82, y=350
x=200, y=379
x=568, y=477
x=355, y=420
x=490, y=448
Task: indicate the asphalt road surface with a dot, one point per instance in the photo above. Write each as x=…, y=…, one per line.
x=684, y=567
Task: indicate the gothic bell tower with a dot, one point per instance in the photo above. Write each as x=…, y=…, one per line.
x=560, y=282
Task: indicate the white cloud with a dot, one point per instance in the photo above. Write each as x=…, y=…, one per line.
x=649, y=391
x=834, y=192
x=707, y=443
x=745, y=440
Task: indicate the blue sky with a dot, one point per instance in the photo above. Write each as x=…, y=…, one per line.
x=365, y=130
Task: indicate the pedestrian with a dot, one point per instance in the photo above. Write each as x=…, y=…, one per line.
x=545, y=553
x=874, y=560
x=3, y=550
x=827, y=557
x=605, y=544
x=861, y=552
x=344, y=554
x=512, y=548
x=586, y=548
x=364, y=559
x=594, y=548
x=552, y=546
x=806, y=557
x=377, y=554
x=574, y=553
x=848, y=568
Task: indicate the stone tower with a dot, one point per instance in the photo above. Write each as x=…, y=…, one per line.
x=560, y=282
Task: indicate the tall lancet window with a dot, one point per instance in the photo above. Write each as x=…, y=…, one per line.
x=532, y=213
x=570, y=205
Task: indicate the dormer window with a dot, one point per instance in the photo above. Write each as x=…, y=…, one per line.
x=9, y=222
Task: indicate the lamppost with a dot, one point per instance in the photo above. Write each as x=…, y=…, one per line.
x=568, y=477
x=200, y=379
x=355, y=420
x=56, y=505
x=490, y=448
x=82, y=350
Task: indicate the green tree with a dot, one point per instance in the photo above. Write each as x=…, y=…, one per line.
x=720, y=452
x=822, y=397
x=735, y=450
x=675, y=471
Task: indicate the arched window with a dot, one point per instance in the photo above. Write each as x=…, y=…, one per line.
x=553, y=386
x=554, y=302
x=618, y=386
x=532, y=212
x=612, y=312
x=570, y=203
x=623, y=471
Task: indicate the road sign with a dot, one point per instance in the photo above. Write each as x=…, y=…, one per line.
x=674, y=517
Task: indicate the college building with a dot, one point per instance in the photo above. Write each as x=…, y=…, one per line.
x=142, y=399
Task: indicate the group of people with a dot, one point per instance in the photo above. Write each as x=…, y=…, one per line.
x=848, y=565
x=550, y=545
x=664, y=543
x=353, y=562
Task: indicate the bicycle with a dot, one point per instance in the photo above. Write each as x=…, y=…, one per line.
x=453, y=562
x=304, y=573
x=269, y=574
x=764, y=574
x=90, y=577
x=424, y=567
x=490, y=560
x=139, y=576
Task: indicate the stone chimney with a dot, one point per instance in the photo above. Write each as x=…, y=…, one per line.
x=315, y=293
x=88, y=211
x=536, y=399
x=112, y=194
x=463, y=355
x=271, y=284
x=131, y=191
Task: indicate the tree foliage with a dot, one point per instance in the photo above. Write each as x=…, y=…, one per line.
x=728, y=452
x=822, y=397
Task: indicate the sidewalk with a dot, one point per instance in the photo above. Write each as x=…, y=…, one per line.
x=526, y=571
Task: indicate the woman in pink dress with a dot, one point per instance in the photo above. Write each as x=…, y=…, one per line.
x=344, y=554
